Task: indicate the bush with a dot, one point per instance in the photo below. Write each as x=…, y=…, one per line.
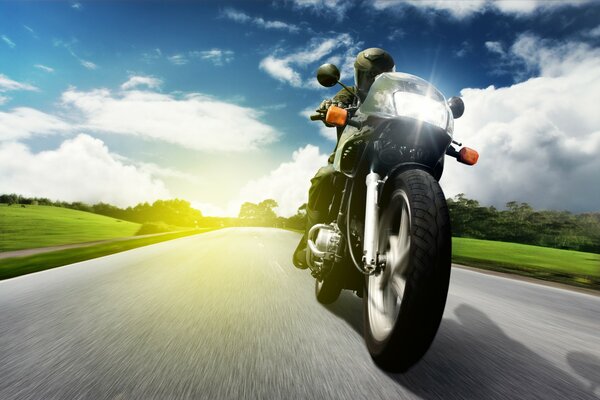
x=155, y=227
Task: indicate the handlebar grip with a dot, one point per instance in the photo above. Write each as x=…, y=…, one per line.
x=316, y=117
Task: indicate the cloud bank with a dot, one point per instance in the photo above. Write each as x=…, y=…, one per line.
x=25, y=122
x=194, y=121
x=467, y=8
x=83, y=169
x=80, y=169
x=538, y=139
x=287, y=184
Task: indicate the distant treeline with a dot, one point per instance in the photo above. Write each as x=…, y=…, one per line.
x=172, y=212
x=519, y=223
x=164, y=214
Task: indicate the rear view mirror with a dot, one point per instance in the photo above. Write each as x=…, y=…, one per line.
x=328, y=75
x=457, y=106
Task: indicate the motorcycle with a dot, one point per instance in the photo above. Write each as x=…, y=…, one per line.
x=388, y=236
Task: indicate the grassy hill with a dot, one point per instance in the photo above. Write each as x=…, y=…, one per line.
x=39, y=226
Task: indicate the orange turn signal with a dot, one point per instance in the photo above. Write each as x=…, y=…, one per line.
x=336, y=116
x=468, y=156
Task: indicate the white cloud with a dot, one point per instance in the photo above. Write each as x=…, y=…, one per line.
x=522, y=7
x=7, y=84
x=539, y=139
x=236, y=15
x=281, y=70
x=24, y=122
x=594, y=33
x=287, y=184
x=216, y=56
x=81, y=169
x=277, y=25
x=152, y=55
x=495, y=47
x=178, y=59
x=212, y=210
x=4, y=100
x=193, y=121
x=136, y=81
x=77, y=6
x=241, y=17
x=340, y=48
x=396, y=34
x=88, y=64
x=44, y=68
x=325, y=7
x=165, y=172
x=465, y=48
x=8, y=42
x=460, y=9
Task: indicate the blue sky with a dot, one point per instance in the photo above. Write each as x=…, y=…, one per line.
x=132, y=101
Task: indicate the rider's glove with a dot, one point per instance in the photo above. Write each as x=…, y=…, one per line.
x=324, y=106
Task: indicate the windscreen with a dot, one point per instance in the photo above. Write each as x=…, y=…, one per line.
x=380, y=100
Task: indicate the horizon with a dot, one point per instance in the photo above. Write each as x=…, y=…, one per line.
x=192, y=206
x=126, y=103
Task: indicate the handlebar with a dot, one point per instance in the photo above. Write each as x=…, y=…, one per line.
x=316, y=117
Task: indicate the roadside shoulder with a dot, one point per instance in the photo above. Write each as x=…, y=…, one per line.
x=529, y=279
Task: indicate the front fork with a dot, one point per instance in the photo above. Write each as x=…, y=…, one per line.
x=370, y=258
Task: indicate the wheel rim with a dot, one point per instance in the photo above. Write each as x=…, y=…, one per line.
x=386, y=287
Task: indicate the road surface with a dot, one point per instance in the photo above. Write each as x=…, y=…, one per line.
x=224, y=315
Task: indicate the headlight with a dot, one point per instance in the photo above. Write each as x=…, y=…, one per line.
x=421, y=108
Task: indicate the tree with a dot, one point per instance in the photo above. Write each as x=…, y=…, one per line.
x=261, y=214
x=10, y=199
x=248, y=211
x=298, y=221
x=265, y=208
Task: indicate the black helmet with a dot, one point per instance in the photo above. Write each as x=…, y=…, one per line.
x=370, y=63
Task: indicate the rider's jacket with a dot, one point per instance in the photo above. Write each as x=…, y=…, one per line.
x=346, y=99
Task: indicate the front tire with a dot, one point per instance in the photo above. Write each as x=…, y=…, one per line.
x=405, y=301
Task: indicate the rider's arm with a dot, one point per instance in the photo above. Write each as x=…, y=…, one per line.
x=344, y=97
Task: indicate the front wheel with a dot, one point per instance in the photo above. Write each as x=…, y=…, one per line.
x=405, y=299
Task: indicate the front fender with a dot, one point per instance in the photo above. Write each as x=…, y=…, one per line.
x=394, y=172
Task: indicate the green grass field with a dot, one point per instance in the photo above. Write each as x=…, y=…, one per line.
x=541, y=262
x=12, y=267
x=40, y=226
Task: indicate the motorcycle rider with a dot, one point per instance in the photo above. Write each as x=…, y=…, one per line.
x=369, y=63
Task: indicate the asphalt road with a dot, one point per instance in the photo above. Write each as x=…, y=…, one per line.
x=224, y=315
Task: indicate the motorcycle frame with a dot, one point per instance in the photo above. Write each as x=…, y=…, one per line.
x=366, y=184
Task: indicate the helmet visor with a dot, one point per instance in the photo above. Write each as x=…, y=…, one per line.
x=364, y=79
